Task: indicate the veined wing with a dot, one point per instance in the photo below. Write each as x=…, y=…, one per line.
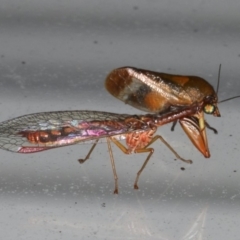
x=155, y=92
x=41, y=131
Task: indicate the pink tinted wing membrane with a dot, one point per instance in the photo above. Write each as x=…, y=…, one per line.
x=43, y=131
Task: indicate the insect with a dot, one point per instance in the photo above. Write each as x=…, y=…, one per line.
x=47, y=130
x=169, y=98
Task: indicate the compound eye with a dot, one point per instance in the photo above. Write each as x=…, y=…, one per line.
x=209, y=109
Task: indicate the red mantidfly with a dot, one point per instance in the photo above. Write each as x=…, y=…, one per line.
x=169, y=98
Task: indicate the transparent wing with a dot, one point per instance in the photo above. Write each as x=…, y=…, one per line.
x=46, y=130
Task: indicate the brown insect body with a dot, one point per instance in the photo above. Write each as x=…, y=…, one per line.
x=161, y=92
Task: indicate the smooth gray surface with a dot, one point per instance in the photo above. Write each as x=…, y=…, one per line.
x=55, y=56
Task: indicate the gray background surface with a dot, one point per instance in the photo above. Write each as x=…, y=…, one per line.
x=54, y=55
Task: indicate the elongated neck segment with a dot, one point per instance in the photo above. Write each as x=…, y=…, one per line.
x=171, y=116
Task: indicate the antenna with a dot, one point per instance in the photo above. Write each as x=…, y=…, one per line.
x=218, y=83
x=219, y=71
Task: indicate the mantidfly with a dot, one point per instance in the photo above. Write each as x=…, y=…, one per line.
x=169, y=98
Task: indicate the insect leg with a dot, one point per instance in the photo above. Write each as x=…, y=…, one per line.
x=211, y=128
x=89, y=153
x=173, y=126
x=143, y=150
x=169, y=146
x=113, y=166
x=127, y=151
x=151, y=150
